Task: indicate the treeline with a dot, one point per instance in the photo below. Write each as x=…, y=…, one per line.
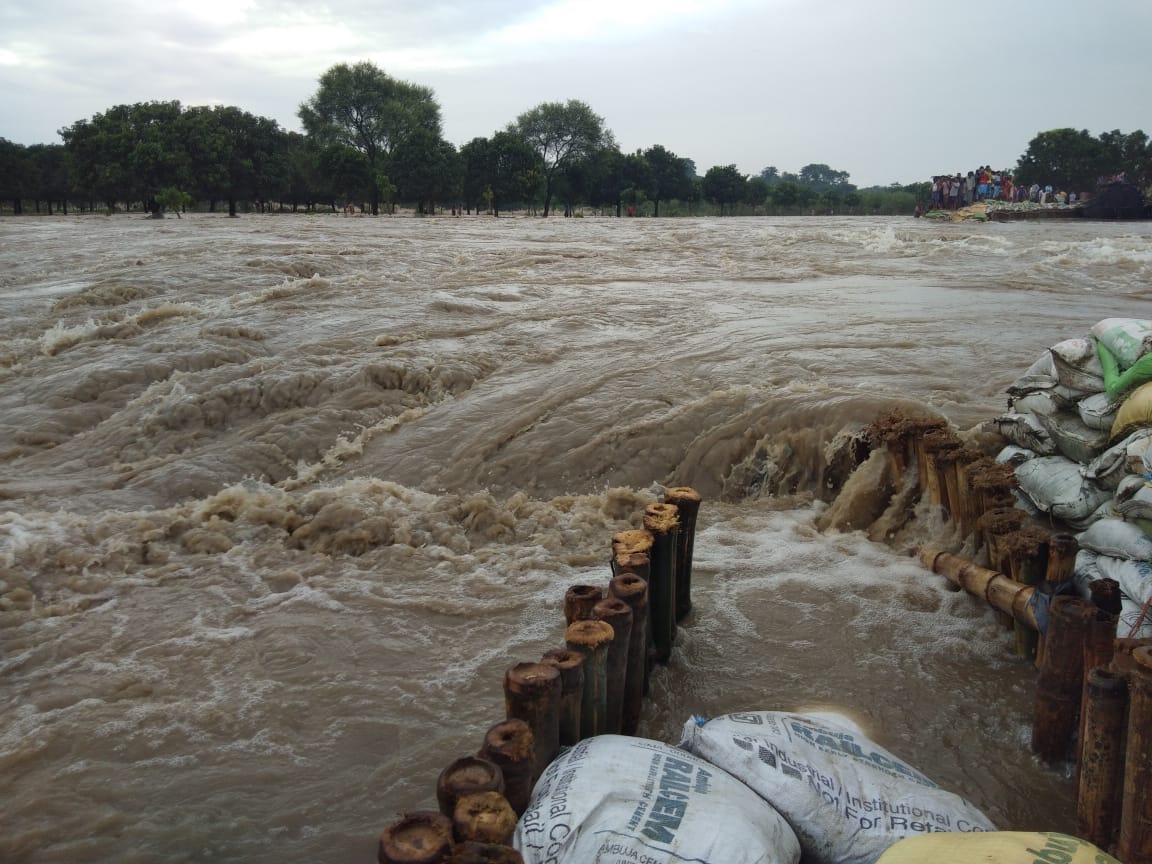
x=374, y=141
x=1077, y=160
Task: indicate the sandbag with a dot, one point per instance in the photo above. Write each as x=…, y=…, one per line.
x=1013, y=455
x=1135, y=413
x=1085, y=571
x=619, y=800
x=1077, y=365
x=1025, y=430
x=1059, y=486
x=1098, y=411
x=1133, y=498
x=847, y=798
x=1041, y=375
x=1128, y=339
x=1120, y=460
x=1002, y=847
x=1041, y=403
x=1072, y=438
x=1117, y=539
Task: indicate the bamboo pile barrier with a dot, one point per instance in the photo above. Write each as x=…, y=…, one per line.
x=594, y=685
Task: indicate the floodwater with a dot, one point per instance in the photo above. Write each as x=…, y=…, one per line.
x=283, y=496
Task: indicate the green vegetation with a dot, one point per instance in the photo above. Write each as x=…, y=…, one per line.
x=373, y=141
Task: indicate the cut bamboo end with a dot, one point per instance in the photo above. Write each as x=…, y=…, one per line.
x=632, y=540
x=582, y=635
x=484, y=817
x=533, y=693
x=421, y=837
x=661, y=518
x=464, y=776
x=1002, y=593
x=593, y=638
x=532, y=679
x=510, y=745
x=632, y=562
x=579, y=600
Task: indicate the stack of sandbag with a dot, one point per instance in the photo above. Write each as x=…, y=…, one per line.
x=846, y=797
x=1079, y=428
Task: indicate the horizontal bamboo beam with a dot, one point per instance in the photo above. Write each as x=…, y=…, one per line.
x=1002, y=593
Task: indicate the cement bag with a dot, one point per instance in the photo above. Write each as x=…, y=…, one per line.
x=846, y=798
x=1041, y=375
x=1117, y=539
x=1077, y=366
x=1025, y=430
x=1120, y=460
x=1135, y=413
x=1133, y=498
x=1072, y=438
x=1085, y=571
x=1098, y=411
x=618, y=800
x=1135, y=578
x=1059, y=486
x=1002, y=847
x=1128, y=339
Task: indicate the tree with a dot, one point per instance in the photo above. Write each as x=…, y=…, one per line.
x=669, y=175
x=15, y=174
x=562, y=134
x=426, y=169
x=1066, y=158
x=362, y=108
x=821, y=178
x=499, y=171
x=725, y=185
x=770, y=175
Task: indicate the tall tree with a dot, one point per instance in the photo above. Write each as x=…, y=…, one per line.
x=725, y=185
x=562, y=134
x=15, y=174
x=363, y=108
x=1066, y=158
x=669, y=175
x=426, y=169
x=821, y=178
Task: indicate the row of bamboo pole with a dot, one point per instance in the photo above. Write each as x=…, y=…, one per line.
x=594, y=685
x=1093, y=690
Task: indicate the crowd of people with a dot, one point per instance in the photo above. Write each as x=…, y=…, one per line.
x=951, y=192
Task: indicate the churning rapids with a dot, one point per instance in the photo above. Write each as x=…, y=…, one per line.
x=283, y=497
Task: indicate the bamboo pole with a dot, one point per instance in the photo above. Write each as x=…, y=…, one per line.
x=687, y=502
x=571, y=666
x=509, y=744
x=966, y=473
x=634, y=541
x=484, y=853
x=1135, y=846
x=421, y=837
x=1027, y=563
x=1100, y=784
x=663, y=523
x=485, y=817
x=592, y=639
x=618, y=615
x=532, y=693
x=937, y=444
x=1002, y=593
x=1060, y=682
x=578, y=602
x=632, y=562
x=466, y=775
x=633, y=590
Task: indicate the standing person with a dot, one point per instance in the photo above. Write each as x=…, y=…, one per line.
x=970, y=188
x=953, y=192
x=935, y=193
x=982, y=189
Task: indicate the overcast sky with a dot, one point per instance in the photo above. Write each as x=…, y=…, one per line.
x=888, y=90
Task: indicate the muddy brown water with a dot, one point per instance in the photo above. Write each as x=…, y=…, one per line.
x=282, y=497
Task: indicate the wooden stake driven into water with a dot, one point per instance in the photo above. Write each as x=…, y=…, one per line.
x=618, y=615
x=687, y=502
x=421, y=837
x=579, y=601
x=937, y=446
x=628, y=544
x=662, y=520
x=1028, y=561
x=485, y=817
x=571, y=667
x=532, y=693
x=1100, y=784
x=464, y=776
x=592, y=639
x=1135, y=846
x=509, y=744
x=1060, y=682
x=633, y=590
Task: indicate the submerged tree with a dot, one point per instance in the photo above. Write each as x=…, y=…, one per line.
x=563, y=134
x=362, y=108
